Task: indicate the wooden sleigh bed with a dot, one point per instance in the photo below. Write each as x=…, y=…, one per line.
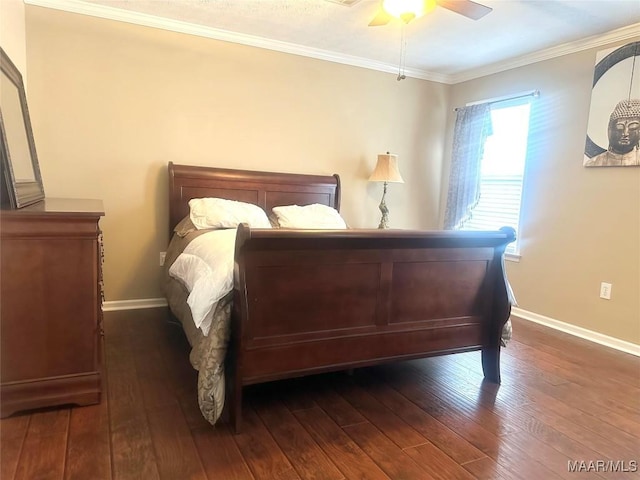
x=312, y=301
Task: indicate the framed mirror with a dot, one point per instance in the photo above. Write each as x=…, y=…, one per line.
x=22, y=182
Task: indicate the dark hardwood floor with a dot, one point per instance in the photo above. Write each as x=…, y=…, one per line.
x=564, y=404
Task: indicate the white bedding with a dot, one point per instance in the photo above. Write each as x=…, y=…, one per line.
x=205, y=268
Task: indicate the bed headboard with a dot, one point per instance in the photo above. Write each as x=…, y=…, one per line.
x=265, y=189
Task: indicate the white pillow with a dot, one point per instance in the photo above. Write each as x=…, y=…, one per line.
x=316, y=216
x=221, y=213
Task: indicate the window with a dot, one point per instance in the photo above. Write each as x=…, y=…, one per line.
x=502, y=169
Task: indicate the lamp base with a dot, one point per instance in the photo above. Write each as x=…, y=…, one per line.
x=384, y=221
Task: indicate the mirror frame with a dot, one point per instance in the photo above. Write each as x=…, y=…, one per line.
x=23, y=193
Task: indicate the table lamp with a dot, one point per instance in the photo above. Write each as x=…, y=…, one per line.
x=386, y=171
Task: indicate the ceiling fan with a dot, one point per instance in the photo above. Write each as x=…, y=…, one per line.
x=407, y=10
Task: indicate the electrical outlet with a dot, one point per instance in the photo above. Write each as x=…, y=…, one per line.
x=162, y=257
x=605, y=291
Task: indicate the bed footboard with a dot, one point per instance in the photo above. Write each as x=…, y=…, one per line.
x=315, y=301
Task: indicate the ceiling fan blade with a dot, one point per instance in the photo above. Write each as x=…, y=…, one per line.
x=381, y=18
x=469, y=9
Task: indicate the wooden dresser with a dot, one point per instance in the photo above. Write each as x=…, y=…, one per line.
x=50, y=304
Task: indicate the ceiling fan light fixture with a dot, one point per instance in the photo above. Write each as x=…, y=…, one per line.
x=407, y=10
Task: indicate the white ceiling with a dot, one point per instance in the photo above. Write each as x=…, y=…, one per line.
x=443, y=45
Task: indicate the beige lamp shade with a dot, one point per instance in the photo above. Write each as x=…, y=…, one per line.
x=386, y=169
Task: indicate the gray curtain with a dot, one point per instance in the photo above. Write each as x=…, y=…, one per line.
x=473, y=126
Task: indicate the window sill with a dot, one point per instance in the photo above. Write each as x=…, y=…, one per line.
x=512, y=257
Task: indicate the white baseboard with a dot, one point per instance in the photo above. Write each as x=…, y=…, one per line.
x=590, y=335
x=133, y=304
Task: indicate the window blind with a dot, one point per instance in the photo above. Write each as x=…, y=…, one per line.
x=499, y=205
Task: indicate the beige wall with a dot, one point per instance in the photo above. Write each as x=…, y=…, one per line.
x=111, y=103
x=580, y=226
x=12, y=33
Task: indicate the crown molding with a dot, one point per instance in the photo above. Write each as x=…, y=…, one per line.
x=111, y=13
x=620, y=34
